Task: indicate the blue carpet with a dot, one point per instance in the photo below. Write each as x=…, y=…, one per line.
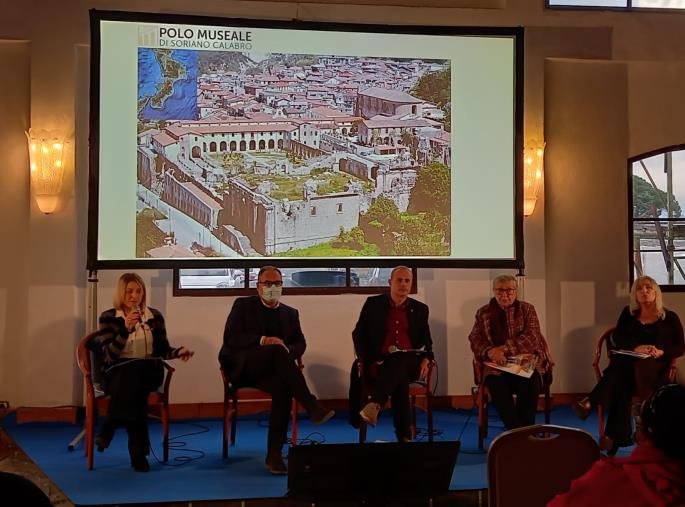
x=196, y=470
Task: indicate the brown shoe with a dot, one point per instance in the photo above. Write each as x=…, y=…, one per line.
x=582, y=408
x=370, y=413
x=320, y=414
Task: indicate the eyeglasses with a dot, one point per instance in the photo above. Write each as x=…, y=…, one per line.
x=279, y=283
x=505, y=291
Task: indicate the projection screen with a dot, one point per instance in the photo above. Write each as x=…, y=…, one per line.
x=233, y=141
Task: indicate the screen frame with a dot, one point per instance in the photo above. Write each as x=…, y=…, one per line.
x=93, y=263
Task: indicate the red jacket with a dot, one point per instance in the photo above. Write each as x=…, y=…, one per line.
x=647, y=477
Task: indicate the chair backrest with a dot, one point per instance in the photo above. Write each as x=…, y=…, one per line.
x=529, y=466
x=604, y=341
x=84, y=357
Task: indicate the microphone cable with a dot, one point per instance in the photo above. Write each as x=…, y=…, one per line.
x=178, y=445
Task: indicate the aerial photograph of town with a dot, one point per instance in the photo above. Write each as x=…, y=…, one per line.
x=242, y=154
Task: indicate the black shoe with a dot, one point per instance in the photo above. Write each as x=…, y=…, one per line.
x=611, y=446
x=320, y=414
x=275, y=464
x=102, y=442
x=139, y=463
x=582, y=408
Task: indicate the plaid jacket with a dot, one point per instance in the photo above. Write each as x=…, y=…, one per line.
x=524, y=335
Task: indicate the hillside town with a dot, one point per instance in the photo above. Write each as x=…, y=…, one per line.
x=289, y=153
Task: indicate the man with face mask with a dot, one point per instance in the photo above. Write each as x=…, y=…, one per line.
x=262, y=341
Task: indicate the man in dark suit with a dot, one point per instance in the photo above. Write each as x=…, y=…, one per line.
x=262, y=341
x=393, y=339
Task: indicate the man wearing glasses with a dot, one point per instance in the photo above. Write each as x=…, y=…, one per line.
x=506, y=328
x=262, y=341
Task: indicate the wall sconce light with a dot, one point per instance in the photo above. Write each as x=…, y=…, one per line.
x=46, y=151
x=533, y=158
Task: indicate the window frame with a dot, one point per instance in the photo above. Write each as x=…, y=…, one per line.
x=246, y=290
x=628, y=8
x=631, y=219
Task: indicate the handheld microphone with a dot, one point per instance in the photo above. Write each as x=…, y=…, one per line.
x=136, y=308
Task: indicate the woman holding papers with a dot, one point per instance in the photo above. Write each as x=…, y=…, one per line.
x=505, y=336
x=133, y=343
x=647, y=337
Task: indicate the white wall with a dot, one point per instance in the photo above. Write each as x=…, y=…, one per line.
x=594, y=114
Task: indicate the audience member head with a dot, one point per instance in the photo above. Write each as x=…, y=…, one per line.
x=270, y=285
x=130, y=292
x=504, y=288
x=662, y=420
x=400, y=284
x=645, y=291
x=19, y=490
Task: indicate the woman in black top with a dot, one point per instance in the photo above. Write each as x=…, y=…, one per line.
x=645, y=327
x=133, y=342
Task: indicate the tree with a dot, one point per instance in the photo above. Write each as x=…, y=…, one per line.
x=385, y=211
x=648, y=200
x=432, y=190
x=423, y=234
x=380, y=224
x=435, y=87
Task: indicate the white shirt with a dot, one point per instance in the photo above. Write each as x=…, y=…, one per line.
x=139, y=342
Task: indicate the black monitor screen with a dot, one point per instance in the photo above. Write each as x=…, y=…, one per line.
x=378, y=470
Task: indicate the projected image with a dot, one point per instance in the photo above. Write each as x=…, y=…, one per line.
x=242, y=154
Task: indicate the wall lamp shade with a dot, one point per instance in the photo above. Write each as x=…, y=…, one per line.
x=46, y=153
x=533, y=165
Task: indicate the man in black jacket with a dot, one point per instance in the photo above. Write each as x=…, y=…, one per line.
x=262, y=341
x=393, y=339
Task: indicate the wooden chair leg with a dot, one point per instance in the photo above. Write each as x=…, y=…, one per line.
x=293, y=436
x=482, y=418
x=165, y=430
x=413, y=416
x=429, y=416
x=90, y=429
x=548, y=406
x=234, y=419
x=224, y=445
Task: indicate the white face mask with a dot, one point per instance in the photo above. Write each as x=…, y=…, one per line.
x=272, y=294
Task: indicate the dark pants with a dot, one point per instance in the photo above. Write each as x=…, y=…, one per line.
x=502, y=390
x=624, y=378
x=128, y=383
x=272, y=369
x=391, y=380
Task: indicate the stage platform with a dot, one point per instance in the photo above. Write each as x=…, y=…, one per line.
x=197, y=472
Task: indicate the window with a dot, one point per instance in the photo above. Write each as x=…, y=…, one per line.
x=619, y=4
x=657, y=225
x=236, y=281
